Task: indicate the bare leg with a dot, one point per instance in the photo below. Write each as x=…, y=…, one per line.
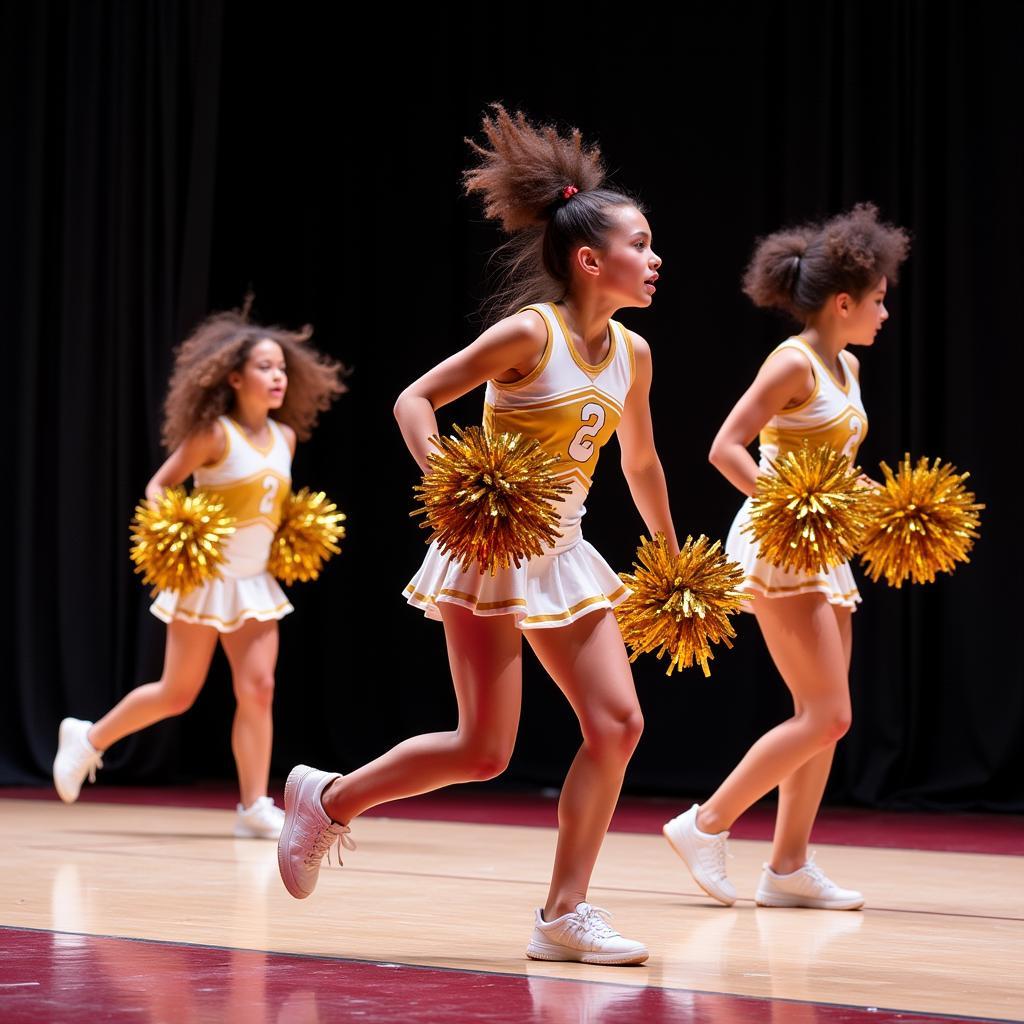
x=187, y=656
x=485, y=655
x=252, y=653
x=800, y=794
x=805, y=643
x=588, y=662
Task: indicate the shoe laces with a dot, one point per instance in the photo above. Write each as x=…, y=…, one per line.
x=89, y=757
x=717, y=854
x=332, y=836
x=817, y=875
x=595, y=921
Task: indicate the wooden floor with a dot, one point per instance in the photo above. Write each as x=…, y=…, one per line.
x=943, y=932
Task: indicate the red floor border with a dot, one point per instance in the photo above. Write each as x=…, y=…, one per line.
x=77, y=977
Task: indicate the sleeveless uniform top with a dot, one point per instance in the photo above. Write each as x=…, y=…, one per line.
x=569, y=406
x=254, y=483
x=832, y=413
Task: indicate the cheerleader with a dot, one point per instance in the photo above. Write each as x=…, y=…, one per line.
x=559, y=369
x=833, y=278
x=239, y=397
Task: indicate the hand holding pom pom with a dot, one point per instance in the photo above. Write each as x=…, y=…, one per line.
x=923, y=521
x=307, y=537
x=488, y=498
x=811, y=513
x=177, y=539
x=680, y=604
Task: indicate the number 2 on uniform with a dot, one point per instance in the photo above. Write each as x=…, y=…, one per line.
x=582, y=447
x=270, y=485
x=854, y=426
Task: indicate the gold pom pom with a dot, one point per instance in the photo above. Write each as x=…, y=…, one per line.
x=680, y=604
x=923, y=521
x=811, y=513
x=177, y=539
x=488, y=498
x=307, y=537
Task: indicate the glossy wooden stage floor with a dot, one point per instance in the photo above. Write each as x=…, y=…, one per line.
x=943, y=933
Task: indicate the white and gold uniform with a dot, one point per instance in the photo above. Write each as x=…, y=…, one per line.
x=832, y=413
x=572, y=408
x=254, y=483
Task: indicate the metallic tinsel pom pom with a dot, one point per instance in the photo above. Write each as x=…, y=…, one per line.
x=307, y=537
x=810, y=514
x=680, y=604
x=488, y=498
x=177, y=539
x=923, y=521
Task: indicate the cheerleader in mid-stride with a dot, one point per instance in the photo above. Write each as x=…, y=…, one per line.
x=239, y=397
x=832, y=278
x=558, y=369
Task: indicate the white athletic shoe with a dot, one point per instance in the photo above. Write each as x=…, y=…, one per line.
x=308, y=832
x=263, y=820
x=584, y=937
x=806, y=887
x=76, y=758
x=704, y=854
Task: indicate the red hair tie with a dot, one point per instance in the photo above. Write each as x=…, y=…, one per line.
x=569, y=191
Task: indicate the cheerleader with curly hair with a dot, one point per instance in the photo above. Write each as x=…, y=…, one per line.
x=832, y=278
x=239, y=398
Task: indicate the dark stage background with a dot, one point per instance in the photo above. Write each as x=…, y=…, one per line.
x=158, y=158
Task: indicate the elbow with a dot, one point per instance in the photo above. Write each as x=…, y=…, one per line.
x=715, y=454
x=399, y=403
x=633, y=468
x=406, y=399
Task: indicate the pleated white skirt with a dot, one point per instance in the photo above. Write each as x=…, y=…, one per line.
x=764, y=579
x=226, y=603
x=548, y=591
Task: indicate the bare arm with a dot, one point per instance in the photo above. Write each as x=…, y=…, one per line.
x=195, y=451
x=785, y=379
x=640, y=463
x=510, y=349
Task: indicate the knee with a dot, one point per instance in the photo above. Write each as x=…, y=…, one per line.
x=487, y=766
x=614, y=735
x=839, y=725
x=483, y=760
x=176, y=701
x=256, y=692
x=831, y=724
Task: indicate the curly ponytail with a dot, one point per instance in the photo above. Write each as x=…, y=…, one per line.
x=797, y=269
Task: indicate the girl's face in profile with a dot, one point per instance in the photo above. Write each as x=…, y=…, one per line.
x=263, y=380
x=867, y=316
x=629, y=266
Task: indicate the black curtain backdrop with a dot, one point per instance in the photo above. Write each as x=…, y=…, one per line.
x=160, y=158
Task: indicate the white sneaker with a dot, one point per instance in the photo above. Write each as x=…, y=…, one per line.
x=76, y=758
x=308, y=832
x=806, y=887
x=263, y=820
x=703, y=854
x=584, y=937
